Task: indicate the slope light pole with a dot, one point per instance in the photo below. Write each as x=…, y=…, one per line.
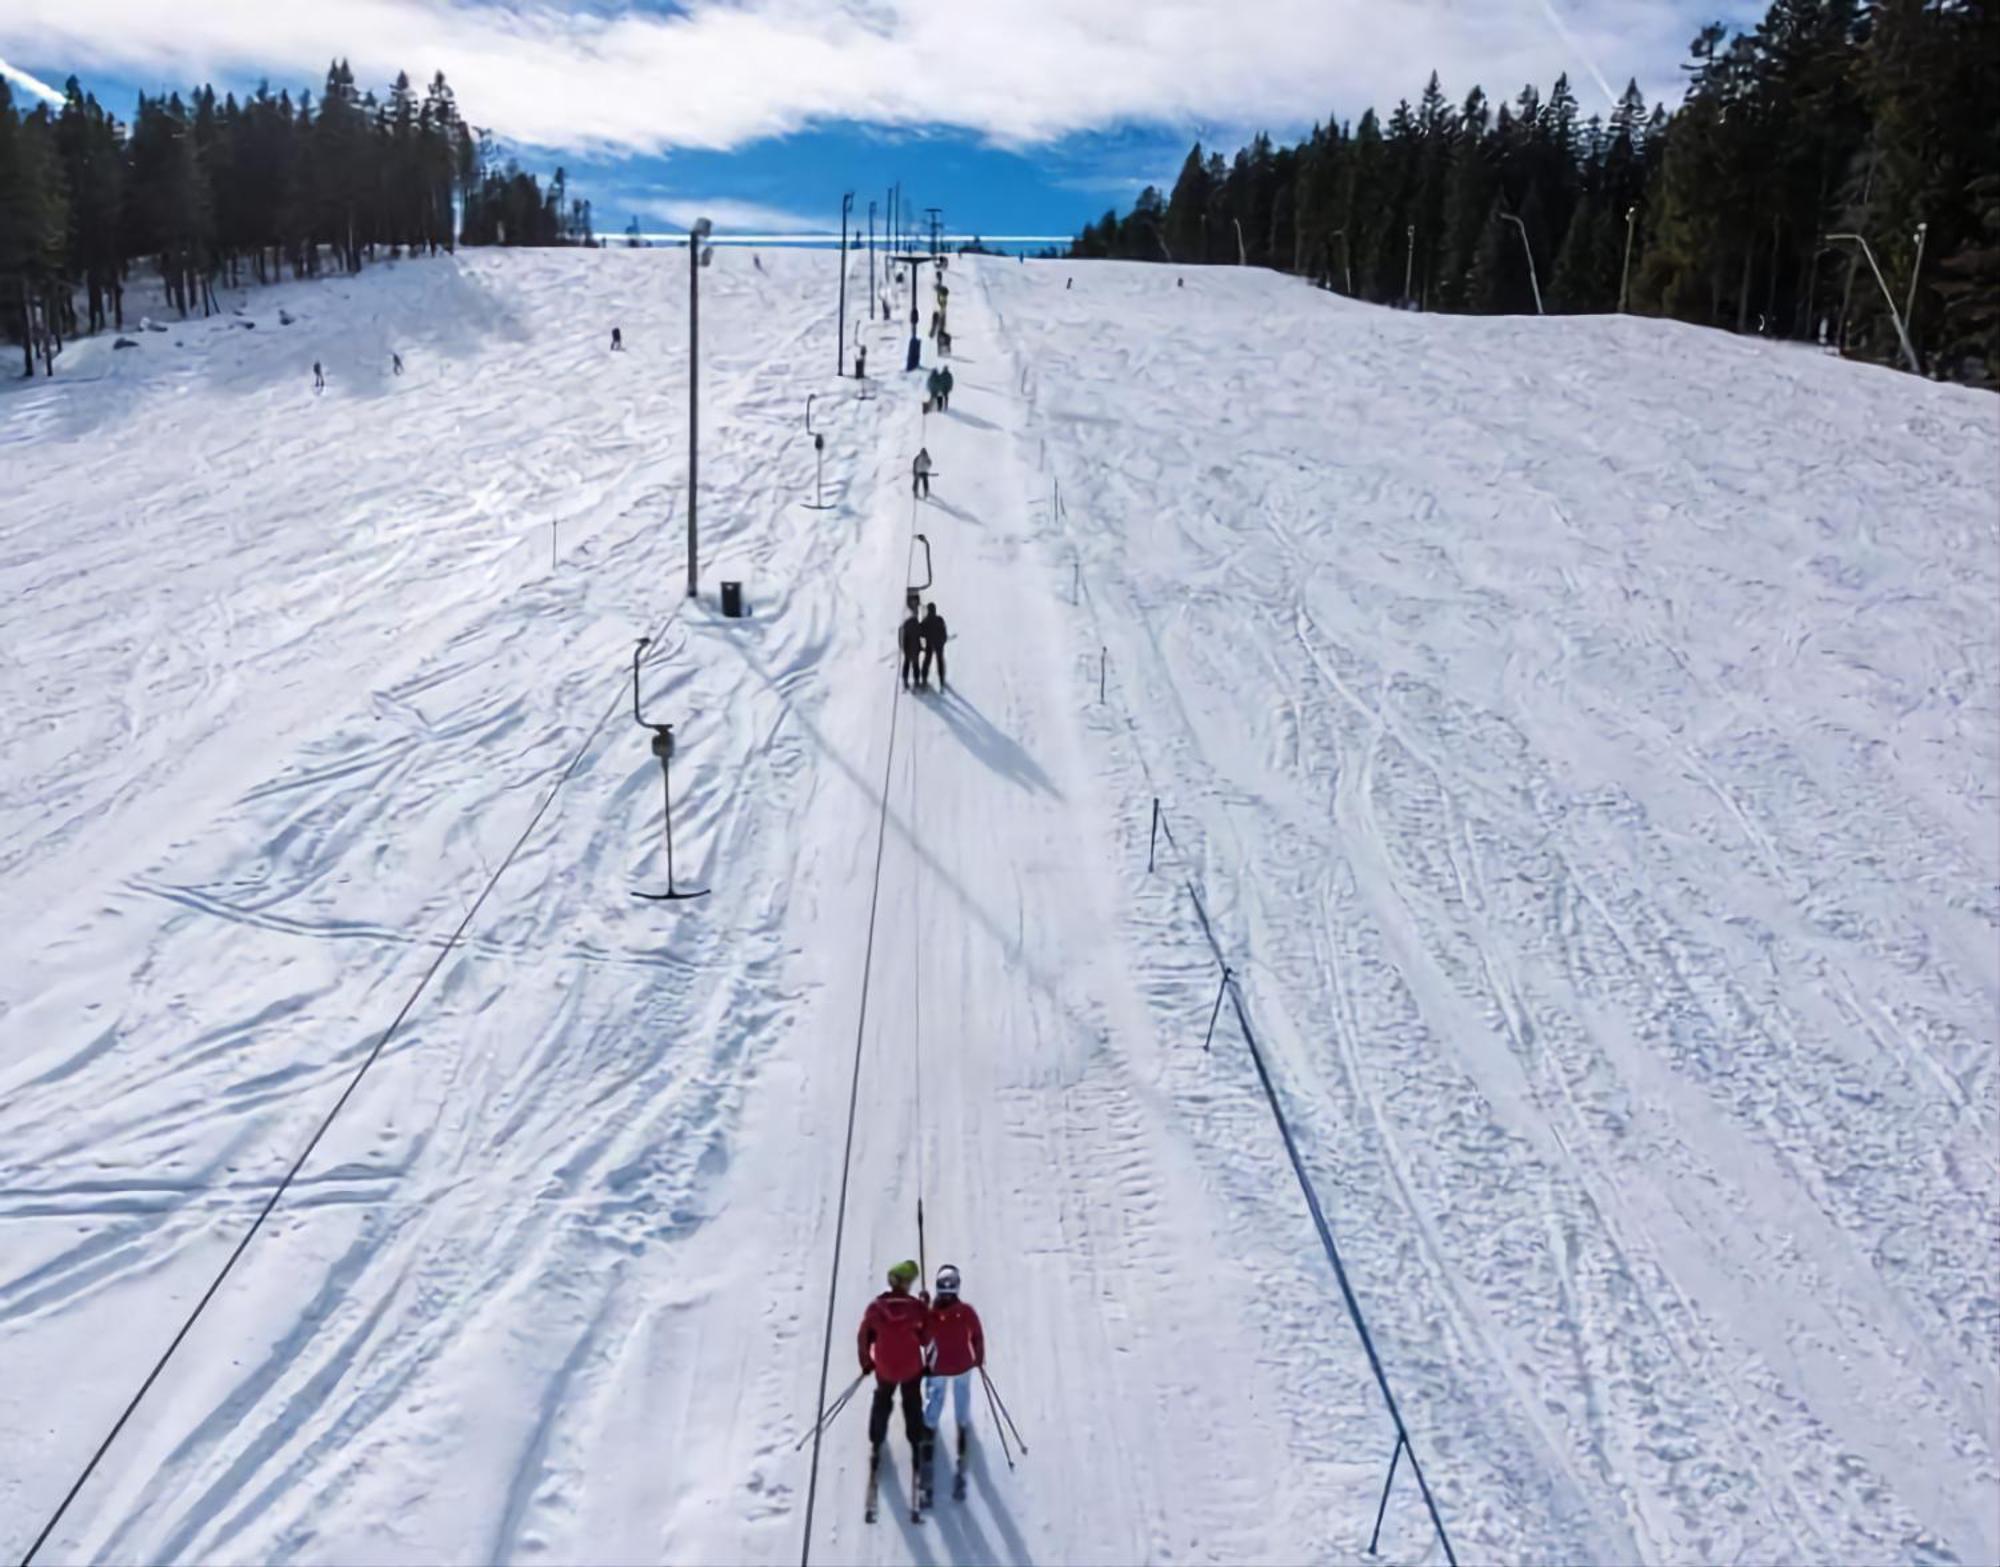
x=1409, y=259
x=874, y=304
x=699, y=256
x=1242, y=255
x=1889, y=299
x=1916, y=267
x=1528, y=250
x=1346, y=257
x=937, y=217
x=1625, y=268
x=840, y=345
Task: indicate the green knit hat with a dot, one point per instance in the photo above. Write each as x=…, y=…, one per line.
x=904, y=1274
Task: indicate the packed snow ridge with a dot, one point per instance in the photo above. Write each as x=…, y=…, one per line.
x=1582, y=733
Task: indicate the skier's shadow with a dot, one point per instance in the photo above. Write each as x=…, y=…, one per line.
x=893, y=1497
x=975, y=1547
x=999, y=751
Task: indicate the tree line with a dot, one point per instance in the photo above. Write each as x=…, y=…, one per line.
x=1832, y=118
x=215, y=192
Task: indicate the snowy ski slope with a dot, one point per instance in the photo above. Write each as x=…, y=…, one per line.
x=1583, y=734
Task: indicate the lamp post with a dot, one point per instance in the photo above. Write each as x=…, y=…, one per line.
x=1409, y=259
x=1902, y=331
x=1528, y=250
x=937, y=218
x=1916, y=266
x=874, y=304
x=1242, y=256
x=840, y=345
x=699, y=256
x=1625, y=268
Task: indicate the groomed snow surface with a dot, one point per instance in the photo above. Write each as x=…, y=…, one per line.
x=1583, y=734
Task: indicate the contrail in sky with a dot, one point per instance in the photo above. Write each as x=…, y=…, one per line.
x=21, y=78
x=1569, y=42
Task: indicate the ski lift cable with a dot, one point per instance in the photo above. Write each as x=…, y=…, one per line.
x=449, y=946
x=853, y=1096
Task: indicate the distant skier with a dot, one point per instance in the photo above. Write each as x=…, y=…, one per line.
x=894, y=1332
x=911, y=640
x=958, y=1351
x=617, y=340
x=319, y=379
x=396, y=363
x=944, y=379
x=860, y=362
x=934, y=640
x=944, y=343
x=920, y=473
x=1068, y=284
x=933, y=390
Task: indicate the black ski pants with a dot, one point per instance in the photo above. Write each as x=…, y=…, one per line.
x=913, y=1412
x=929, y=654
x=913, y=673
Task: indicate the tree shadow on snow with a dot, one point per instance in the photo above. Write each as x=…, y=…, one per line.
x=999, y=751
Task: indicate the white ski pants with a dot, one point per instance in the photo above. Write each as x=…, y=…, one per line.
x=961, y=1399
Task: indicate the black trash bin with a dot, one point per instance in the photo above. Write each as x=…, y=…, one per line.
x=732, y=600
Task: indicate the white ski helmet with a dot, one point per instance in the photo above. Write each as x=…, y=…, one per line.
x=947, y=1280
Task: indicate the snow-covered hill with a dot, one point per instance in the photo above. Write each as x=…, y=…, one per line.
x=1582, y=734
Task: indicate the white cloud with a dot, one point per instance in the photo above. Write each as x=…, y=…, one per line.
x=725, y=212
x=725, y=72
x=21, y=78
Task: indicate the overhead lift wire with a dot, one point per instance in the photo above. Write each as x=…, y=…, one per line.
x=854, y=1087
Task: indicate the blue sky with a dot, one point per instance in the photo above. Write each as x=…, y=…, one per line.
x=1014, y=116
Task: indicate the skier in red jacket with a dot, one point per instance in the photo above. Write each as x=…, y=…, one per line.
x=895, y=1331
x=958, y=1350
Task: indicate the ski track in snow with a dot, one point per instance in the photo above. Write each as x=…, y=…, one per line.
x=1583, y=734
x=1593, y=764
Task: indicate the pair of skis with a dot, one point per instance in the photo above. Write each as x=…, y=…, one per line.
x=921, y=1492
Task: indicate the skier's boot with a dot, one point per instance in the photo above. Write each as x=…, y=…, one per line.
x=874, y=1479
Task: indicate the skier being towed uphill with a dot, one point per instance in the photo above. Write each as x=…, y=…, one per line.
x=895, y=1330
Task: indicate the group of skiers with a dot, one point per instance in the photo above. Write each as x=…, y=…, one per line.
x=922, y=642
x=319, y=371
x=937, y=388
x=919, y=1347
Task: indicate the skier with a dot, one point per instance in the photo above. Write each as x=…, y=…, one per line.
x=860, y=362
x=894, y=1331
x=319, y=379
x=617, y=341
x=944, y=379
x=920, y=473
x=934, y=640
x=396, y=363
x=911, y=640
x=958, y=1350
x=933, y=390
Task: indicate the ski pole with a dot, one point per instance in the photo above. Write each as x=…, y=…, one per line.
x=998, y=1429
x=1003, y=1410
x=832, y=1410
